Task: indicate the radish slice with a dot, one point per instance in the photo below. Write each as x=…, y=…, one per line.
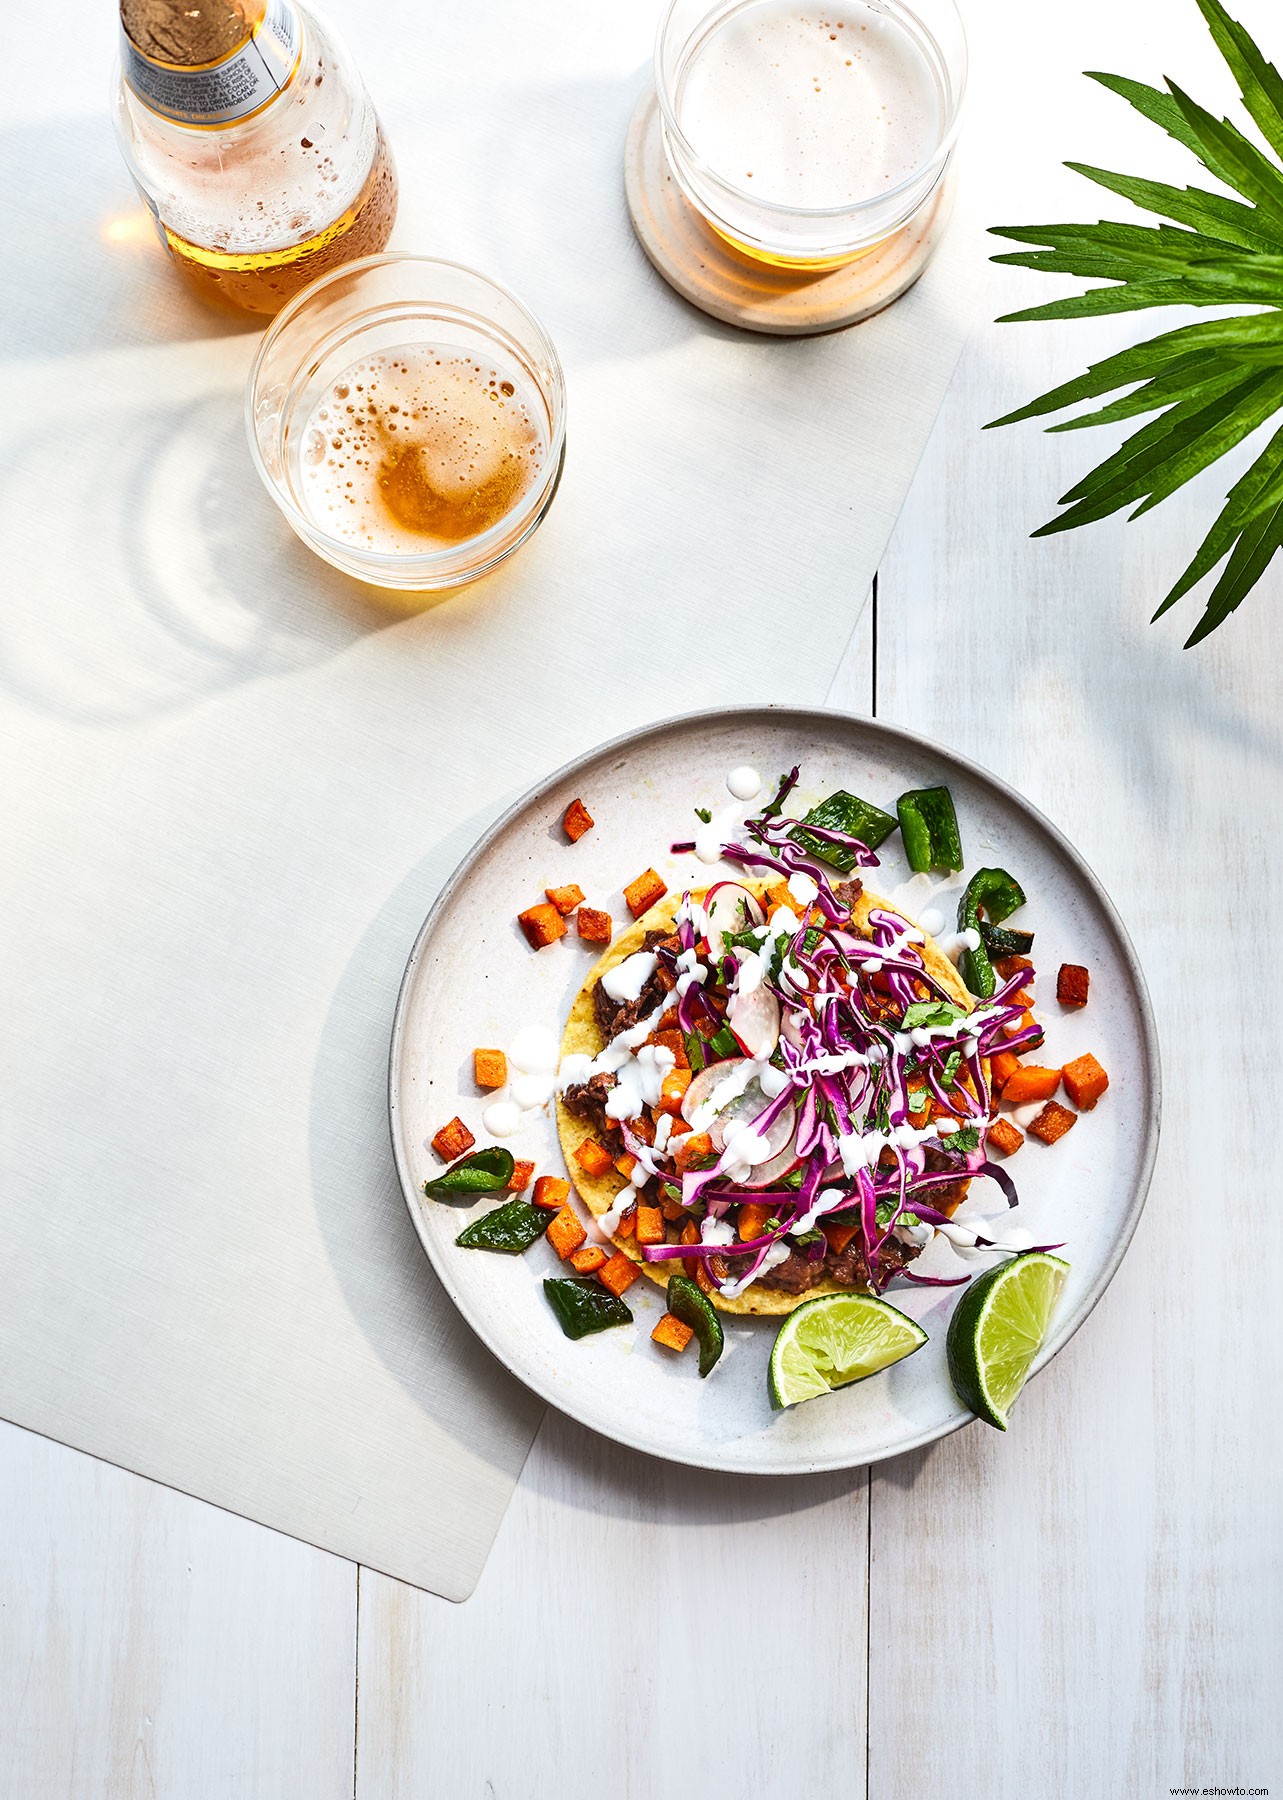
x=755, y=1019
x=751, y=1105
x=729, y=907
x=765, y=1174
x=791, y=1029
x=703, y=1084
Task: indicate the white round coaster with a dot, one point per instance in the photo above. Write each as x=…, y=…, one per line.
x=711, y=274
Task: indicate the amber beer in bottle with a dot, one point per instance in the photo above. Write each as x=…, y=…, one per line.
x=253, y=143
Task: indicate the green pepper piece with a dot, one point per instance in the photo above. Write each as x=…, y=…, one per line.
x=688, y=1302
x=1002, y=940
x=583, y=1306
x=999, y=894
x=844, y=812
x=511, y=1228
x=929, y=828
x=482, y=1173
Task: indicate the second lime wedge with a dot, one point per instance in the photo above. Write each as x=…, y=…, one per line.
x=834, y=1340
x=998, y=1329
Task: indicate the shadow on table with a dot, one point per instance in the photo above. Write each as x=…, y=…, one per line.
x=390, y=1288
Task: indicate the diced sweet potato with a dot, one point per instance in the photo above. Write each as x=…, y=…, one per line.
x=1022, y=997
x=453, y=1140
x=588, y=1260
x=1085, y=1081
x=839, y=1236
x=1004, y=1136
x=1007, y=966
x=674, y=1041
x=673, y=1090
x=627, y=1224
x=673, y=1210
x=695, y=1145
x=542, y=924
x=1029, y=1082
x=642, y=894
x=1026, y=1022
x=690, y=1235
x=577, y=820
x=618, y=1273
x=1072, y=984
x=565, y=899
x=593, y=927
x=752, y=1220
x=650, y=1225
x=490, y=1068
x=672, y=1333
x=626, y=1162
x=1002, y=1066
x=703, y=1280
x=566, y=1234
x=522, y=1174
x=1053, y=1122
x=551, y=1191
x=593, y=1157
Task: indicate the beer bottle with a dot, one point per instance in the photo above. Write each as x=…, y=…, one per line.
x=253, y=143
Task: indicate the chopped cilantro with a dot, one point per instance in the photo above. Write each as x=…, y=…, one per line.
x=926, y=1013
x=952, y=1063
x=703, y=815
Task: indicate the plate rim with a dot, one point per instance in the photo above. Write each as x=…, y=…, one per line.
x=801, y=714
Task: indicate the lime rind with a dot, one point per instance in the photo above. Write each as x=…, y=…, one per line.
x=998, y=1329
x=835, y=1340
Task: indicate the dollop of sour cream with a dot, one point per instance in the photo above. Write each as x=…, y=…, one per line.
x=501, y=1118
x=627, y=979
x=745, y=782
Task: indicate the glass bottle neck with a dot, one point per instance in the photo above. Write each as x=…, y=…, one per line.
x=227, y=92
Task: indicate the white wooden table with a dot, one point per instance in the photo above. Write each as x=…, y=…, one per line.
x=1087, y=1607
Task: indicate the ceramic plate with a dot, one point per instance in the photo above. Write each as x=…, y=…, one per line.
x=473, y=980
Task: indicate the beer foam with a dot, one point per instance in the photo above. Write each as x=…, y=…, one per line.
x=418, y=449
x=810, y=108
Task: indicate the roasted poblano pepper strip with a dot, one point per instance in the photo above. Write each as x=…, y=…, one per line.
x=844, y=812
x=998, y=894
x=687, y=1302
x=511, y=1228
x=484, y=1173
x=929, y=827
x=583, y=1306
x=1001, y=940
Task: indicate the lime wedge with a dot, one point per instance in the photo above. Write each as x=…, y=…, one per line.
x=998, y=1329
x=839, y=1338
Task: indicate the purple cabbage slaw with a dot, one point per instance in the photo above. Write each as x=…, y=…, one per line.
x=831, y=1019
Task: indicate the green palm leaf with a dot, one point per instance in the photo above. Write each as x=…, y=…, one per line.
x=1208, y=385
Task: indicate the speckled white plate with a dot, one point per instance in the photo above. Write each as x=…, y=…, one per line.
x=473, y=980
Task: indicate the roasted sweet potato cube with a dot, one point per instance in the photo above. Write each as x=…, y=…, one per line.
x=618, y=1273
x=453, y=1140
x=672, y=1333
x=650, y=1225
x=1002, y=1066
x=751, y=1221
x=551, y=1191
x=566, y=1234
x=1003, y=1136
x=490, y=1067
x=1007, y=966
x=1085, y=1081
x=627, y=1224
x=839, y=1236
x=1072, y=984
x=642, y=894
x=1026, y=1022
x=690, y=1235
x=673, y=1210
x=588, y=1260
x=577, y=820
x=542, y=924
x=565, y=899
x=1029, y=1082
x=1053, y=1122
x=593, y=1157
x=626, y=1162
x=593, y=927
x=673, y=1090
x=674, y=1041
x=522, y=1174
x=692, y=1147
x=704, y=1281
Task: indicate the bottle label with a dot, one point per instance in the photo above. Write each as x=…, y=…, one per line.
x=226, y=92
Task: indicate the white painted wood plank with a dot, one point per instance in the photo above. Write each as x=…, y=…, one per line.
x=852, y=685
x=617, y=1585
x=1092, y=1605
x=156, y=1646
